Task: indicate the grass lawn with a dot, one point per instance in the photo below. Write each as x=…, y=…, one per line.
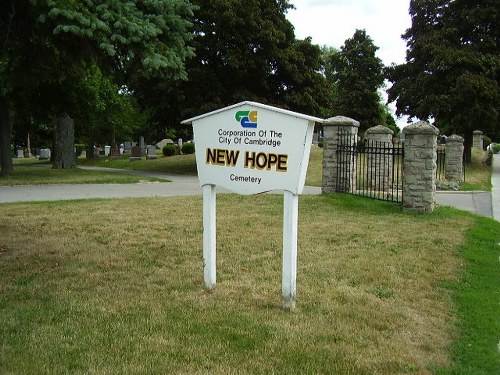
x=34, y=172
x=178, y=164
x=116, y=286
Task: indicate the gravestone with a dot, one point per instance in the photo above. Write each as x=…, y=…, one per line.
x=164, y=142
x=20, y=153
x=179, y=143
x=135, y=153
x=127, y=146
x=142, y=146
x=114, y=153
x=44, y=154
x=151, y=152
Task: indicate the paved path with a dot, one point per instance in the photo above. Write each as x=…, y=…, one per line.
x=481, y=203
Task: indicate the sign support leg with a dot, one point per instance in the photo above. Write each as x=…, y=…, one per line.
x=289, y=275
x=209, y=236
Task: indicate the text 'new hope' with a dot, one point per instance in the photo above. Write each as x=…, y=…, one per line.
x=252, y=160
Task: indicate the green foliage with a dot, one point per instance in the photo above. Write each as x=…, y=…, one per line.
x=169, y=150
x=79, y=148
x=496, y=148
x=357, y=74
x=245, y=50
x=486, y=141
x=149, y=36
x=188, y=148
x=452, y=64
x=53, y=53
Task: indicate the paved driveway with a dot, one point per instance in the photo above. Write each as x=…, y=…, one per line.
x=481, y=203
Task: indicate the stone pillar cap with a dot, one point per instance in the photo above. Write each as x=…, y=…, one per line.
x=379, y=129
x=477, y=132
x=454, y=138
x=421, y=127
x=341, y=120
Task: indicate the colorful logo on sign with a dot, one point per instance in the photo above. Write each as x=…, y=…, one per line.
x=247, y=119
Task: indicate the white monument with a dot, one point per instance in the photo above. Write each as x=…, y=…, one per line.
x=251, y=148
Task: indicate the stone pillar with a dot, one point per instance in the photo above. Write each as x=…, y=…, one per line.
x=379, y=158
x=339, y=171
x=419, y=178
x=454, y=163
x=477, y=139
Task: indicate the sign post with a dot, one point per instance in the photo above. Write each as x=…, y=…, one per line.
x=209, y=235
x=289, y=272
x=252, y=148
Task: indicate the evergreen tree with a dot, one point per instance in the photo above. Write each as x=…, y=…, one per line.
x=357, y=74
x=452, y=66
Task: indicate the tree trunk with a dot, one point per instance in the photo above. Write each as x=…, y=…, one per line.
x=5, y=140
x=91, y=149
x=64, y=142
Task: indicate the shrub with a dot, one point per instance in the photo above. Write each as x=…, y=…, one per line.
x=320, y=144
x=496, y=148
x=169, y=150
x=188, y=148
x=486, y=141
x=79, y=148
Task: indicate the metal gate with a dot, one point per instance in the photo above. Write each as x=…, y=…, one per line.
x=369, y=168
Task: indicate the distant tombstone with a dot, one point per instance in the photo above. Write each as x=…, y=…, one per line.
x=20, y=153
x=114, y=153
x=151, y=149
x=127, y=146
x=164, y=142
x=106, y=150
x=84, y=154
x=142, y=146
x=179, y=142
x=44, y=154
x=135, y=153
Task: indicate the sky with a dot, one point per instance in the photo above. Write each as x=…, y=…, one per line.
x=331, y=22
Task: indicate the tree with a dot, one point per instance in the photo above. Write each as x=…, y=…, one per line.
x=245, y=50
x=47, y=46
x=357, y=74
x=452, y=67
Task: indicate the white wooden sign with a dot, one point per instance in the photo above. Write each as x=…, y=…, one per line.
x=251, y=148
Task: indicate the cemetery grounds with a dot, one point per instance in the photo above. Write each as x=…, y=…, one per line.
x=116, y=286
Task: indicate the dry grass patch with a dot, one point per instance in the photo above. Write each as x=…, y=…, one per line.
x=116, y=286
x=477, y=174
x=315, y=167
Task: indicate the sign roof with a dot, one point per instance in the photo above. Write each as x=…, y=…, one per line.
x=255, y=104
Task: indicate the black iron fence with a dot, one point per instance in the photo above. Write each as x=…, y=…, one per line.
x=372, y=169
x=440, y=162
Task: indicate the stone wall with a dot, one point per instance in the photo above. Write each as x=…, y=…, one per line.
x=419, y=177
